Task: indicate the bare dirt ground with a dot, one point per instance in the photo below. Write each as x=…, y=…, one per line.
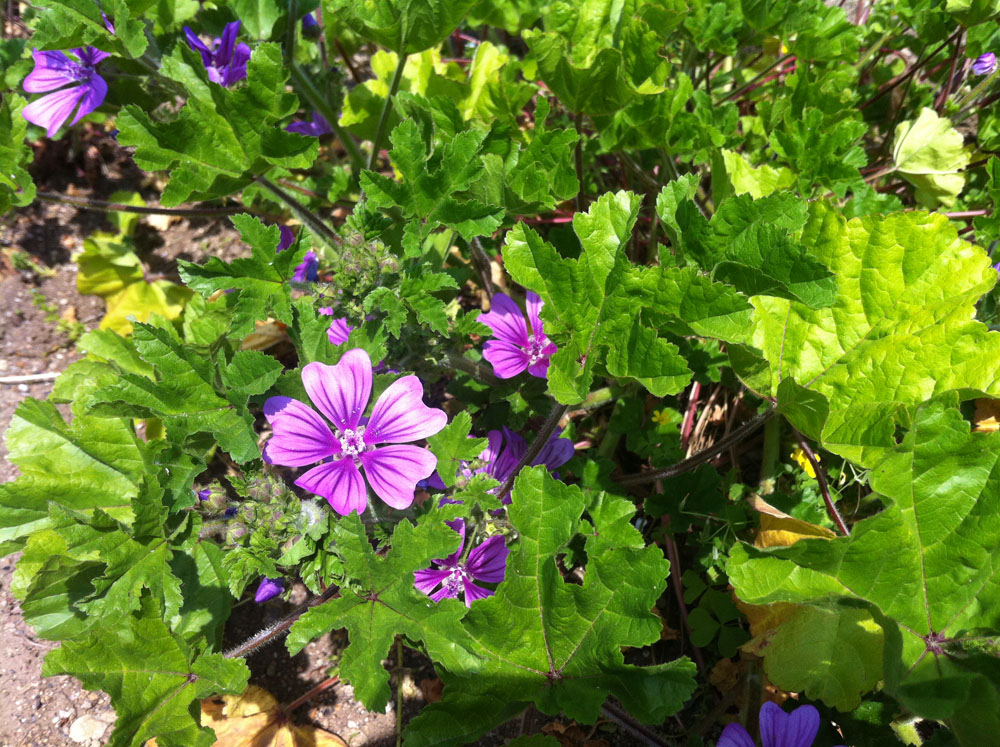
x=56, y=710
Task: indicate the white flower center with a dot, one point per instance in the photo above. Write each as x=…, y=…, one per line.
x=352, y=442
x=534, y=349
x=454, y=581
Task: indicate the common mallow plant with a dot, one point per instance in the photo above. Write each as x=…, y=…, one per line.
x=380, y=444
x=457, y=574
x=70, y=83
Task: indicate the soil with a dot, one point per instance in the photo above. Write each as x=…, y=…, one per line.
x=56, y=710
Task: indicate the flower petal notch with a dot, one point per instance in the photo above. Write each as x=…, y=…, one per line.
x=378, y=448
x=52, y=71
x=514, y=349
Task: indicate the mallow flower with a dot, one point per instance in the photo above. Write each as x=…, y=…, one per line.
x=505, y=450
x=777, y=728
x=53, y=70
x=985, y=64
x=225, y=60
x=486, y=563
x=378, y=444
x=318, y=126
x=306, y=271
x=269, y=588
x=514, y=349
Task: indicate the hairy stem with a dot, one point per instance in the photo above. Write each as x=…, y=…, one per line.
x=536, y=446
x=278, y=629
x=383, y=119
x=322, y=231
x=756, y=79
x=90, y=203
x=824, y=487
x=475, y=370
x=685, y=465
x=903, y=77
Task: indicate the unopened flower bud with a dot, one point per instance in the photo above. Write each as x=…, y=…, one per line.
x=269, y=588
x=985, y=64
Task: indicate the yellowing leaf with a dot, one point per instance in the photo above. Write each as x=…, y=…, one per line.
x=255, y=719
x=931, y=154
x=139, y=300
x=987, y=415
x=778, y=529
x=267, y=334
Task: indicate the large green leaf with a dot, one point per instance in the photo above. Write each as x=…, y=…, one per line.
x=926, y=566
x=901, y=328
x=77, y=23
x=223, y=137
x=556, y=644
x=185, y=395
x=260, y=280
x=96, y=463
x=405, y=26
x=381, y=602
x=155, y=680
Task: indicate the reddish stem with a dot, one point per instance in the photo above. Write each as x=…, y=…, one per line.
x=324, y=685
x=689, y=415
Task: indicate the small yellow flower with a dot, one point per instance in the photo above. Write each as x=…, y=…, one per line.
x=800, y=456
x=661, y=417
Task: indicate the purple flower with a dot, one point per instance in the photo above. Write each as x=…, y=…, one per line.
x=339, y=331
x=985, y=64
x=486, y=563
x=777, y=728
x=319, y=126
x=287, y=237
x=514, y=349
x=53, y=70
x=308, y=22
x=269, y=588
x=307, y=271
x=204, y=495
x=378, y=444
x=225, y=61
x=505, y=450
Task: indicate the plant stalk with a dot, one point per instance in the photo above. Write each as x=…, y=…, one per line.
x=318, y=102
x=383, y=119
x=322, y=231
x=824, y=487
x=278, y=629
x=536, y=446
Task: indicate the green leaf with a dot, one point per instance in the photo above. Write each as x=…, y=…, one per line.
x=930, y=154
x=382, y=602
x=96, y=463
x=223, y=137
x=452, y=446
x=925, y=565
x=543, y=640
x=17, y=188
x=406, y=26
x=183, y=394
x=901, y=329
x=258, y=16
x=588, y=311
x=78, y=23
x=757, y=181
x=432, y=178
x=260, y=279
x=154, y=679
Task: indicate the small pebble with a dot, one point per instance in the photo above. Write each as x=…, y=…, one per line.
x=22, y=387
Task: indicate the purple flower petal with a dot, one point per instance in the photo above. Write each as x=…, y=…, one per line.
x=52, y=110
x=533, y=304
x=307, y=271
x=340, y=482
x=316, y=128
x=473, y=592
x=393, y=472
x=735, y=735
x=198, y=46
x=237, y=69
x=341, y=392
x=224, y=53
x=52, y=70
x=428, y=578
x=506, y=321
x=400, y=415
x=300, y=437
x=287, y=236
x=308, y=21
x=488, y=562
x=90, y=56
x=780, y=729
x=445, y=592
x=985, y=64
x=555, y=453
x=95, y=91
x=507, y=359
x=339, y=332
x=268, y=589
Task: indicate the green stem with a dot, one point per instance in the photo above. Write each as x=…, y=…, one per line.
x=318, y=102
x=383, y=119
x=322, y=231
x=399, y=691
x=772, y=447
x=760, y=76
x=873, y=49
